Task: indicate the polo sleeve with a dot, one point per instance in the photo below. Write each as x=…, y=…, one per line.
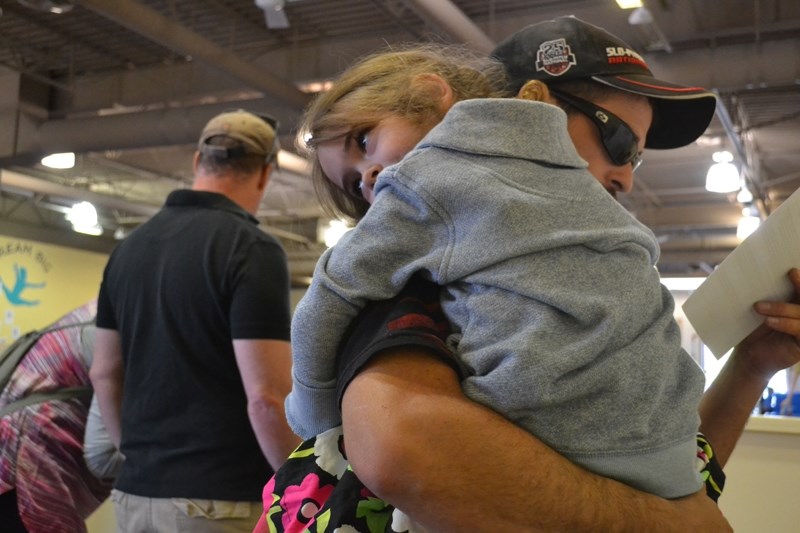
x=105, y=311
x=259, y=307
x=413, y=320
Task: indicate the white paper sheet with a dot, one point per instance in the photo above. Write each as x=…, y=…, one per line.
x=721, y=309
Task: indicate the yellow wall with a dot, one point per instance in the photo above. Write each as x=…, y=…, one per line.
x=56, y=280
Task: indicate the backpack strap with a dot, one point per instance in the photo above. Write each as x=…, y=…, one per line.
x=11, y=356
x=39, y=397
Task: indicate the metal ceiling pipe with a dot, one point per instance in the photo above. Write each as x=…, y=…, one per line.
x=450, y=18
x=751, y=178
x=123, y=131
x=148, y=22
x=20, y=181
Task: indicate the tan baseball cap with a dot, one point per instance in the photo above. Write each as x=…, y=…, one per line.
x=256, y=134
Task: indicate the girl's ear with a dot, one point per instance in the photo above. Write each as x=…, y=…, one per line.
x=536, y=91
x=439, y=90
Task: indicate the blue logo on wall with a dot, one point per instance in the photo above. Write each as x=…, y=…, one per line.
x=18, y=289
x=21, y=284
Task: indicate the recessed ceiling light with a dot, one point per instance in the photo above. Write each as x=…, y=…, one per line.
x=60, y=161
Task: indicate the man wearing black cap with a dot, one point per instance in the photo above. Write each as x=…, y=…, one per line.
x=192, y=357
x=583, y=65
x=473, y=470
x=552, y=338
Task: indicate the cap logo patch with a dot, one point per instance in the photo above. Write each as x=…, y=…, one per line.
x=620, y=54
x=555, y=57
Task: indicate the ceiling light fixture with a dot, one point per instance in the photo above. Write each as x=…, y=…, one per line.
x=746, y=226
x=59, y=7
x=629, y=4
x=682, y=284
x=722, y=176
x=83, y=217
x=314, y=87
x=335, y=230
x=744, y=196
x=61, y=161
x=640, y=16
x=274, y=13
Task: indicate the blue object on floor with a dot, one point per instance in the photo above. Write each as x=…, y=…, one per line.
x=795, y=403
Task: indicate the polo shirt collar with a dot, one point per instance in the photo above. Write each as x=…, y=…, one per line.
x=208, y=200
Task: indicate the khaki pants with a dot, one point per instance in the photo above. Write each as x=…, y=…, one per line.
x=138, y=514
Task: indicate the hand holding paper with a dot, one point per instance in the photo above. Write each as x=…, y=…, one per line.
x=721, y=309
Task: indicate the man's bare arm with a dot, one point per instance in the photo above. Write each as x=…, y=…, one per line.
x=265, y=367
x=106, y=375
x=775, y=345
x=453, y=465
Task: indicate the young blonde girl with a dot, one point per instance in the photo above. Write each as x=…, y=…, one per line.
x=384, y=84
x=493, y=203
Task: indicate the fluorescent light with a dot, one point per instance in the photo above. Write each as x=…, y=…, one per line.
x=88, y=230
x=335, y=230
x=629, y=4
x=682, y=284
x=722, y=176
x=746, y=226
x=293, y=163
x=313, y=87
x=640, y=17
x=83, y=217
x=61, y=161
x=744, y=196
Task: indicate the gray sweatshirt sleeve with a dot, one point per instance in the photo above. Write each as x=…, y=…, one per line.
x=400, y=235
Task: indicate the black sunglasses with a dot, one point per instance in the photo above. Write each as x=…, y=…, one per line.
x=621, y=144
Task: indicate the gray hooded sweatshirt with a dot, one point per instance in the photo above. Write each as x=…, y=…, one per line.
x=560, y=319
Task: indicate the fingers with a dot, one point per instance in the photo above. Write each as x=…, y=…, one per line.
x=787, y=310
x=790, y=326
x=794, y=277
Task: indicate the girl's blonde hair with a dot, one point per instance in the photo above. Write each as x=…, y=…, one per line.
x=381, y=85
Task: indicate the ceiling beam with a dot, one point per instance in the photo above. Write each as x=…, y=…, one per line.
x=150, y=23
x=447, y=16
x=19, y=181
x=59, y=237
x=126, y=130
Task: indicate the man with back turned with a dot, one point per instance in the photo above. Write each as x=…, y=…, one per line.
x=192, y=359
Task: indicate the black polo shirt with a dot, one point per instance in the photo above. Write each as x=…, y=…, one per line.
x=178, y=290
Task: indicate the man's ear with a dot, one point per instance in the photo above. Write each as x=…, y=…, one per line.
x=535, y=91
x=195, y=159
x=263, y=178
x=440, y=91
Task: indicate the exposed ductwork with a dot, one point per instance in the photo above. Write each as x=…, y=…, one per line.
x=34, y=136
x=15, y=180
x=123, y=131
x=160, y=29
x=448, y=17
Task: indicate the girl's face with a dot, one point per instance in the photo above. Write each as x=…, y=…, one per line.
x=353, y=161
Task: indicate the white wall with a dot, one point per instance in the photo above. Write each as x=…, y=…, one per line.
x=762, y=491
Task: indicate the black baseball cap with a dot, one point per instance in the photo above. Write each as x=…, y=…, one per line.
x=570, y=49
